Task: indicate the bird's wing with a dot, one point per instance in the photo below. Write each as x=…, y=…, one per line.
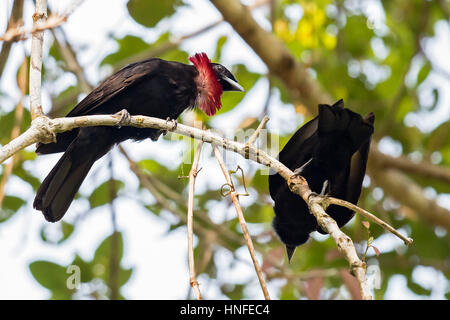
x=358, y=167
x=113, y=85
x=290, y=153
x=293, y=153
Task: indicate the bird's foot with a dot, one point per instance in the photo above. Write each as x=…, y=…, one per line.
x=124, y=117
x=322, y=197
x=173, y=122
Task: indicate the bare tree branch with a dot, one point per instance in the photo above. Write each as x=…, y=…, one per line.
x=255, y=134
x=39, y=17
x=15, y=33
x=369, y=216
x=235, y=199
x=14, y=20
x=316, y=204
x=393, y=182
x=190, y=222
x=402, y=163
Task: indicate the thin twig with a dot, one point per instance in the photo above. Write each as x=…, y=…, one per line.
x=235, y=198
x=17, y=32
x=424, y=169
x=14, y=19
x=190, y=222
x=298, y=185
x=39, y=17
x=114, y=261
x=369, y=216
x=255, y=134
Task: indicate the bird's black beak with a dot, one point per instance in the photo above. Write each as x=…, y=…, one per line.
x=290, y=252
x=234, y=85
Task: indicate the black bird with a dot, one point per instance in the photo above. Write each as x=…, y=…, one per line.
x=330, y=152
x=153, y=87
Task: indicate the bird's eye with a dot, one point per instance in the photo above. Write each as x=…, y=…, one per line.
x=219, y=68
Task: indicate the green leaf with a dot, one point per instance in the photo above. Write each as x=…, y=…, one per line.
x=65, y=101
x=65, y=229
x=233, y=291
x=86, y=269
x=358, y=36
x=128, y=46
x=220, y=43
x=124, y=276
x=103, y=253
x=7, y=122
x=162, y=173
x=418, y=289
x=423, y=73
x=112, y=245
x=150, y=12
x=51, y=276
x=258, y=213
x=11, y=205
x=25, y=175
x=102, y=195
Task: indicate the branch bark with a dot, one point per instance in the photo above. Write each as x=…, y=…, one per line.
x=19, y=33
x=14, y=20
x=235, y=199
x=190, y=223
x=39, y=17
x=402, y=163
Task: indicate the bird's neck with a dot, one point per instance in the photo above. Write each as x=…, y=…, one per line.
x=209, y=89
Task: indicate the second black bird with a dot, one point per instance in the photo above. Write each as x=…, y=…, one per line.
x=155, y=88
x=330, y=152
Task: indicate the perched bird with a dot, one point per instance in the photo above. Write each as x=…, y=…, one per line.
x=154, y=88
x=330, y=152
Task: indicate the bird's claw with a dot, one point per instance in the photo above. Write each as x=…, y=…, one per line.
x=323, y=196
x=173, y=122
x=124, y=117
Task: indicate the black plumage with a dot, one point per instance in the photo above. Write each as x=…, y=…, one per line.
x=333, y=147
x=155, y=88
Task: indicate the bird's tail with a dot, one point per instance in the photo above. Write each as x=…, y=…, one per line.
x=58, y=189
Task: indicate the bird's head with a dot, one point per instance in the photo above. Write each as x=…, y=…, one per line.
x=226, y=78
x=212, y=80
